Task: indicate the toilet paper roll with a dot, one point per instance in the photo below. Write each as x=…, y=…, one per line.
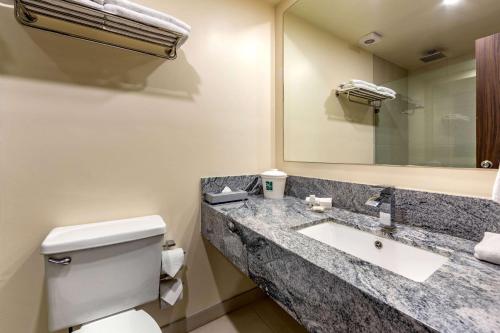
x=170, y=293
x=172, y=261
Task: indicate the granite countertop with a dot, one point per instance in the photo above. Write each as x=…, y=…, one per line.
x=462, y=296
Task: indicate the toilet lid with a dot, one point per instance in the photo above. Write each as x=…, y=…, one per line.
x=131, y=321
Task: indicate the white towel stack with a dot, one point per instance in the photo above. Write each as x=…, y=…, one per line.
x=387, y=92
x=496, y=189
x=489, y=248
x=133, y=11
x=130, y=10
x=87, y=3
x=149, y=12
x=147, y=19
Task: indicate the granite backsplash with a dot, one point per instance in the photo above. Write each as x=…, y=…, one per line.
x=464, y=217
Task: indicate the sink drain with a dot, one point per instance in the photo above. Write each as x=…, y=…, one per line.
x=378, y=244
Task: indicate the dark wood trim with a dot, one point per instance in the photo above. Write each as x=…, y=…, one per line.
x=488, y=99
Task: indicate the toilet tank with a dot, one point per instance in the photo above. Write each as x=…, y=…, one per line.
x=96, y=270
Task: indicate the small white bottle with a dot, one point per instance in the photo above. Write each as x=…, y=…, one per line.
x=311, y=200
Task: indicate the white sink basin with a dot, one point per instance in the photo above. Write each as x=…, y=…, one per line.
x=410, y=262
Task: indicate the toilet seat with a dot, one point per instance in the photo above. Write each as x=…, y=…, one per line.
x=132, y=321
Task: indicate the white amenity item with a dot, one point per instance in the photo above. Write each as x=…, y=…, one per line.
x=496, y=189
x=99, y=270
x=410, y=262
x=273, y=183
x=326, y=203
x=489, y=248
x=318, y=209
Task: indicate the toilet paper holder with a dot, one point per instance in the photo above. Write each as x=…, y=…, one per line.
x=168, y=244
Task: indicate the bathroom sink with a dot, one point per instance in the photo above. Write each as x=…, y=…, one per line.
x=410, y=262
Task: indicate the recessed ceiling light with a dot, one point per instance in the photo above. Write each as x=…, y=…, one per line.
x=450, y=2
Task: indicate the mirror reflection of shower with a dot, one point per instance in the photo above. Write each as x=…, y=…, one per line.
x=432, y=122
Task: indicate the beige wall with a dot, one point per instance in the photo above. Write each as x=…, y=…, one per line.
x=458, y=181
x=91, y=133
x=319, y=126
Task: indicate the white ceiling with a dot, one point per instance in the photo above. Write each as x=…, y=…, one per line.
x=409, y=27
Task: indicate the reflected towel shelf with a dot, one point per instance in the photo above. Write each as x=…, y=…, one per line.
x=368, y=97
x=79, y=21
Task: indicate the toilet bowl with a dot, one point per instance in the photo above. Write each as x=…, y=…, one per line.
x=132, y=321
x=97, y=274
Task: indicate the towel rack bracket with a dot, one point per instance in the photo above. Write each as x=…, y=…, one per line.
x=23, y=15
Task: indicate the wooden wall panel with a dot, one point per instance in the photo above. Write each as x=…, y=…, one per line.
x=488, y=99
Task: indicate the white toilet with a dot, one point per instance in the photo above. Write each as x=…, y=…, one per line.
x=97, y=273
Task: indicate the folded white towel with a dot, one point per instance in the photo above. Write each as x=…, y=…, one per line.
x=146, y=19
x=387, y=94
x=86, y=3
x=489, y=248
x=496, y=189
x=364, y=83
x=359, y=85
x=386, y=90
x=101, y=2
x=148, y=11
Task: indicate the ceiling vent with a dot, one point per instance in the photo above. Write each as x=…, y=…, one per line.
x=432, y=55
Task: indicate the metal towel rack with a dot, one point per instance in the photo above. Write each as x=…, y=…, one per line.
x=82, y=22
x=367, y=97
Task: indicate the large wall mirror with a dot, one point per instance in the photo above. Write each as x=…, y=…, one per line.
x=393, y=82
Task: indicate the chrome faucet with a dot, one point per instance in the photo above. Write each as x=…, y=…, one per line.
x=385, y=202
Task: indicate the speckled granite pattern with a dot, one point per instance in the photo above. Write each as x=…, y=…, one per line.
x=458, y=216
x=250, y=183
x=328, y=290
x=462, y=217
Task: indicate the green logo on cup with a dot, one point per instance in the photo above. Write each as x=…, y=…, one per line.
x=269, y=186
